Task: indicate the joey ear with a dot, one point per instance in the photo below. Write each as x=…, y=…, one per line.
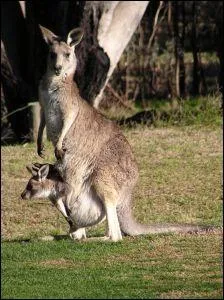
x=43, y=172
x=75, y=36
x=48, y=36
x=37, y=165
x=31, y=170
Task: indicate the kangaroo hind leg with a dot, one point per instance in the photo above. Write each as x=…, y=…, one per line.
x=109, y=197
x=114, y=231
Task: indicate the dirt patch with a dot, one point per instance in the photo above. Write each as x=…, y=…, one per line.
x=57, y=263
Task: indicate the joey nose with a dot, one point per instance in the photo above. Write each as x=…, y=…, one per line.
x=23, y=195
x=57, y=70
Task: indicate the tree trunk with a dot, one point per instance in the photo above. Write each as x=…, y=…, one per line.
x=179, y=48
x=176, y=47
x=220, y=53
x=169, y=67
x=16, y=94
x=13, y=66
x=195, y=87
x=182, y=40
x=118, y=22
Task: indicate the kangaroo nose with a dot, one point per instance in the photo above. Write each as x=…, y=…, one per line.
x=57, y=70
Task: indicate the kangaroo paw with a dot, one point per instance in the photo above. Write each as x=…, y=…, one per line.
x=59, y=153
x=78, y=234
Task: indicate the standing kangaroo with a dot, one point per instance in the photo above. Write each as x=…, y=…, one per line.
x=58, y=106
x=94, y=158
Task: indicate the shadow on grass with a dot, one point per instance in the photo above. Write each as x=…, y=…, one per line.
x=44, y=238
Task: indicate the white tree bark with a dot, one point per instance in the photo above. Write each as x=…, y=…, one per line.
x=23, y=7
x=118, y=22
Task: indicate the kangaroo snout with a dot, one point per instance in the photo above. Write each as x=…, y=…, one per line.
x=57, y=70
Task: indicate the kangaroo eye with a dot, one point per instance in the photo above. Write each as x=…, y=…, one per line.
x=67, y=55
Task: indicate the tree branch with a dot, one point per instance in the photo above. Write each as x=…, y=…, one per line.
x=155, y=25
x=118, y=97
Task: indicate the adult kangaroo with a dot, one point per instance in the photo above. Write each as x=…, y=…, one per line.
x=94, y=158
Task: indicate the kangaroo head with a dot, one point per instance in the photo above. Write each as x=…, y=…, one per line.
x=62, y=60
x=38, y=186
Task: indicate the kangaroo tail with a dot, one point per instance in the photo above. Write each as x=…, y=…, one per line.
x=130, y=227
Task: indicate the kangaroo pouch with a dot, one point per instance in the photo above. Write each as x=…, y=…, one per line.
x=87, y=210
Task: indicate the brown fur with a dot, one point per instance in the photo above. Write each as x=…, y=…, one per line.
x=95, y=157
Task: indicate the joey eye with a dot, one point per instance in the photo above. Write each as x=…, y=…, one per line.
x=29, y=187
x=67, y=55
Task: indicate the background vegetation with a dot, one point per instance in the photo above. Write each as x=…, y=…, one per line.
x=179, y=57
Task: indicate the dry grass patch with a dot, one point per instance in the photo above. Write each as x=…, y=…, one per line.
x=193, y=295
x=180, y=173
x=180, y=181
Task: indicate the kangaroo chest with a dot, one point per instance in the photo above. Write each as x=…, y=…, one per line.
x=51, y=99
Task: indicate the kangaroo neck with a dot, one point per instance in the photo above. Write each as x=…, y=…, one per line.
x=68, y=78
x=59, y=80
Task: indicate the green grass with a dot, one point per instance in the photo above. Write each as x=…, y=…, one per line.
x=193, y=111
x=199, y=111
x=161, y=266
x=180, y=181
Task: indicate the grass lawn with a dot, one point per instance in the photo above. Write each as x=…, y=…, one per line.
x=180, y=181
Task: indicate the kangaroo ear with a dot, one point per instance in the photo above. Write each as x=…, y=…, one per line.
x=43, y=172
x=48, y=36
x=75, y=36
